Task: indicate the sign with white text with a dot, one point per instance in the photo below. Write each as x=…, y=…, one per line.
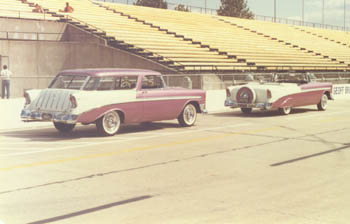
x=341, y=91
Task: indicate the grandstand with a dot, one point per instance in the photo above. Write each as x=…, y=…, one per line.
x=172, y=41
x=298, y=39
x=256, y=49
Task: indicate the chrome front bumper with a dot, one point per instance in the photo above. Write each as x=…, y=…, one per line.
x=28, y=115
x=262, y=106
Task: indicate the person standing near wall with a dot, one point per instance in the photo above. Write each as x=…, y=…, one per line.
x=5, y=82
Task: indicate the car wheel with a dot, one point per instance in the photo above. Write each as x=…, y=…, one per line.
x=109, y=124
x=322, y=105
x=285, y=110
x=188, y=116
x=63, y=128
x=246, y=110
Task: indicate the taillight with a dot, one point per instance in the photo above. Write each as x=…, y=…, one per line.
x=228, y=92
x=73, y=101
x=269, y=94
x=26, y=97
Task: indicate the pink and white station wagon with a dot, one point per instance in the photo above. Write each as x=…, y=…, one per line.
x=109, y=97
x=285, y=91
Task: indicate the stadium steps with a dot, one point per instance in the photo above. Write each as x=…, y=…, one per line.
x=339, y=64
x=153, y=50
x=311, y=44
x=326, y=35
x=218, y=63
x=53, y=7
x=241, y=63
x=235, y=43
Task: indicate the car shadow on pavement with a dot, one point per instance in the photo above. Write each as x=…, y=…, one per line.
x=46, y=134
x=261, y=114
x=144, y=127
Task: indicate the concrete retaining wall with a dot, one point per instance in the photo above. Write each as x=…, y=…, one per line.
x=25, y=29
x=34, y=63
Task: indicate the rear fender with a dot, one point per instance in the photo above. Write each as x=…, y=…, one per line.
x=95, y=114
x=283, y=102
x=120, y=112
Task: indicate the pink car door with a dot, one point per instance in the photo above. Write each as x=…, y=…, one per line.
x=159, y=102
x=132, y=110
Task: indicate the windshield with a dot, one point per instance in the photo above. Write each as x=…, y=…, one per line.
x=291, y=78
x=68, y=82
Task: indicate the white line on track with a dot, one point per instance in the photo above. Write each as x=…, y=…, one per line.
x=126, y=139
x=20, y=149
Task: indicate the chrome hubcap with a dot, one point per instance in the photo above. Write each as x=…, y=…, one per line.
x=190, y=114
x=111, y=122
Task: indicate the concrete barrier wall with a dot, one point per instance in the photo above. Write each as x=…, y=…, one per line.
x=29, y=25
x=11, y=28
x=34, y=63
x=76, y=34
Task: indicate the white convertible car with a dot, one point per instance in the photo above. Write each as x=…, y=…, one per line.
x=283, y=92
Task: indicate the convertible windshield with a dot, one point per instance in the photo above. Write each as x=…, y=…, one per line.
x=68, y=82
x=291, y=78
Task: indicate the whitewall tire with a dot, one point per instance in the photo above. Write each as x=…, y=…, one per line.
x=109, y=124
x=188, y=116
x=322, y=105
x=285, y=110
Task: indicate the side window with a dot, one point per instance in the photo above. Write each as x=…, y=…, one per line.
x=125, y=82
x=152, y=82
x=77, y=82
x=106, y=83
x=68, y=82
x=91, y=84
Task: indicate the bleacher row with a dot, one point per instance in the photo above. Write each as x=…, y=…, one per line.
x=191, y=42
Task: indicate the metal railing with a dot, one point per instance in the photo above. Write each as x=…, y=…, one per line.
x=17, y=14
x=36, y=36
x=300, y=23
x=43, y=36
x=258, y=68
x=221, y=81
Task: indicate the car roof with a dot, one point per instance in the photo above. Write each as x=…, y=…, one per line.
x=100, y=72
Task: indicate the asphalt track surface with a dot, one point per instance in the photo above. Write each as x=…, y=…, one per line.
x=228, y=168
